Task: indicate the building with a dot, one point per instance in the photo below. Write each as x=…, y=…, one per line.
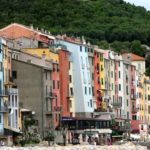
x=84, y=105
x=33, y=77
x=2, y=92
x=20, y=36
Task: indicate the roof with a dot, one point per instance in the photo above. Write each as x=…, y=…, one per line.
x=15, y=30
x=134, y=57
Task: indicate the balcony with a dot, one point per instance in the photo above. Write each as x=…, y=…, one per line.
x=4, y=93
x=135, y=110
x=133, y=97
x=48, y=112
x=117, y=105
x=13, y=91
x=51, y=95
x=4, y=109
x=57, y=109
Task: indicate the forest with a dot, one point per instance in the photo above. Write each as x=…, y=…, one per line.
x=112, y=24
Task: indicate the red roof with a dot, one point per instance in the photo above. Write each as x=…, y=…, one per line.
x=134, y=57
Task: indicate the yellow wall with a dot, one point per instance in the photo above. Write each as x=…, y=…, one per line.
x=40, y=51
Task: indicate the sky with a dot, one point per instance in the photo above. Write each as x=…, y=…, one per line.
x=144, y=3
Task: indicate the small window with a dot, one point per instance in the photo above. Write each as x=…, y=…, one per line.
x=85, y=90
x=70, y=78
x=89, y=90
x=80, y=48
x=57, y=84
x=91, y=103
x=14, y=74
x=53, y=84
x=119, y=87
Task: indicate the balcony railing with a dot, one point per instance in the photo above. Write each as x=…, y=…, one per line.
x=133, y=96
x=117, y=104
x=4, y=109
x=51, y=95
x=4, y=93
x=57, y=108
x=121, y=128
x=135, y=110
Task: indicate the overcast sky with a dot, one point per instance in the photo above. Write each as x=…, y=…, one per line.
x=145, y=3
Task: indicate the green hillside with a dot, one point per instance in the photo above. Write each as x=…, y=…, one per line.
x=97, y=20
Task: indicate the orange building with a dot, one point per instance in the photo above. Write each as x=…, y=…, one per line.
x=64, y=80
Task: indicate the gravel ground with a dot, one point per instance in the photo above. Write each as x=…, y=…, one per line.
x=127, y=146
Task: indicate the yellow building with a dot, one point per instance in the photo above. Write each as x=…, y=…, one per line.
x=43, y=52
x=147, y=99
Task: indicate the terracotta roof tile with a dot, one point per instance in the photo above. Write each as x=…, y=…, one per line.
x=134, y=57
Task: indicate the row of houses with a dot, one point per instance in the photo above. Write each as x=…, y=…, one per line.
x=66, y=82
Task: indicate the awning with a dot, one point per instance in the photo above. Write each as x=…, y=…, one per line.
x=25, y=110
x=12, y=131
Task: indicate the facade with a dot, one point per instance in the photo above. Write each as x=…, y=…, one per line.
x=97, y=85
x=54, y=90
x=71, y=88
x=33, y=93
x=81, y=76
x=2, y=93
x=147, y=99
x=21, y=36
x=64, y=79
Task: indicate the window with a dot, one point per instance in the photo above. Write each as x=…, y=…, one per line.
x=16, y=104
x=127, y=103
x=46, y=90
x=14, y=74
x=112, y=86
x=102, y=81
x=92, y=90
x=89, y=91
x=101, y=57
x=0, y=119
x=127, y=115
x=85, y=49
x=57, y=84
x=149, y=109
x=71, y=91
x=70, y=78
x=1, y=66
x=13, y=100
x=80, y=48
x=127, y=90
x=102, y=68
x=57, y=68
x=85, y=90
x=53, y=67
x=149, y=97
x=53, y=84
x=119, y=75
x=91, y=103
x=119, y=87
x=119, y=63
